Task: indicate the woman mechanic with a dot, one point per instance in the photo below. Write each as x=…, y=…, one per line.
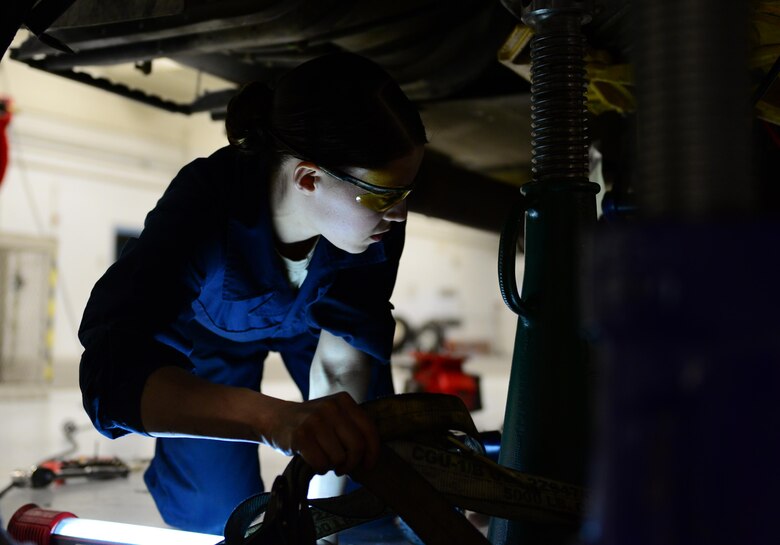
x=286, y=240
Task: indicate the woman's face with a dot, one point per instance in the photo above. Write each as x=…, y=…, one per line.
x=351, y=226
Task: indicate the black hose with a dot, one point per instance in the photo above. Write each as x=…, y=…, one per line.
x=7, y=489
x=507, y=256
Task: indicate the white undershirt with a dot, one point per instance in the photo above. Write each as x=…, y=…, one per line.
x=297, y=270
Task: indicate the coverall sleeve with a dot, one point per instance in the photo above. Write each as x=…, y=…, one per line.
x=140, y=293
x=357, y=305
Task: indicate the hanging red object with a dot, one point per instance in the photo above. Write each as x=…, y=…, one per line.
x=5, y=118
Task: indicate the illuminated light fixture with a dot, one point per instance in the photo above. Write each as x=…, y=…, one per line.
x=30, y=523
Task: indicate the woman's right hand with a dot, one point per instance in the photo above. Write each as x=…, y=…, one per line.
x=330, y=433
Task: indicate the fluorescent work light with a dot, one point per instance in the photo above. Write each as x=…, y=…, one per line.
x=30, y=523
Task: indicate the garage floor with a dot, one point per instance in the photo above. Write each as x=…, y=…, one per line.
x=31, y=424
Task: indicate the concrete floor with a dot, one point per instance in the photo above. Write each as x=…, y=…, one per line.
x=31, y=423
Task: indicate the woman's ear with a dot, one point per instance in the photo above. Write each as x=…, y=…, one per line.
x=306, y=176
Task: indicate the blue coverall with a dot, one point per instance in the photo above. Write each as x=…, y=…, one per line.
x=203, y=288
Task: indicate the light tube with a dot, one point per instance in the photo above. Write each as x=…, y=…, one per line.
x=74, y=530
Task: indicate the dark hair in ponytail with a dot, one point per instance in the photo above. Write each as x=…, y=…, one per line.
x=248, y=116
x=339, y=109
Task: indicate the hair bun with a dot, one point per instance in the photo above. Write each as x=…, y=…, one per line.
x=248, y=116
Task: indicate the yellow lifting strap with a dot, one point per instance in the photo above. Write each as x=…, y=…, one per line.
x=431, y=465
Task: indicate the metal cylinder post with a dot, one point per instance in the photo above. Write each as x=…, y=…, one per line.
x=546, y=426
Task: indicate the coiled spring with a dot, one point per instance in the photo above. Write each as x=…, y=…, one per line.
x=558, y=108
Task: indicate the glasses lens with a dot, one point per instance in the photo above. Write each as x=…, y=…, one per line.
x=380, y=200
x=381, y=203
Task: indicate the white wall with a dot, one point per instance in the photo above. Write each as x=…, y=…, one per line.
x=450, y=271
x=84, y=162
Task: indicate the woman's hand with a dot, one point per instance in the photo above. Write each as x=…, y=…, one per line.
x=330, y=433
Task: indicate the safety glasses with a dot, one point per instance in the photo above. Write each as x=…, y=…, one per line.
x=378, y=198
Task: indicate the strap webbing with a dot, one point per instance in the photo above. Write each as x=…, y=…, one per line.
x=431, y=464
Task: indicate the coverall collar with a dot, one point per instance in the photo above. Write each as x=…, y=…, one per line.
x=253, y=267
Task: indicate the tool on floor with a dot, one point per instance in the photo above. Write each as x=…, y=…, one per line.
x=59, y=471
x=62, y=467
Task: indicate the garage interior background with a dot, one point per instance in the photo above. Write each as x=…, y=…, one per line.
x=75, y=157
x=85, y=166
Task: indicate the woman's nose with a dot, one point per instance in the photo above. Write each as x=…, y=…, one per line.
x=397, y=212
